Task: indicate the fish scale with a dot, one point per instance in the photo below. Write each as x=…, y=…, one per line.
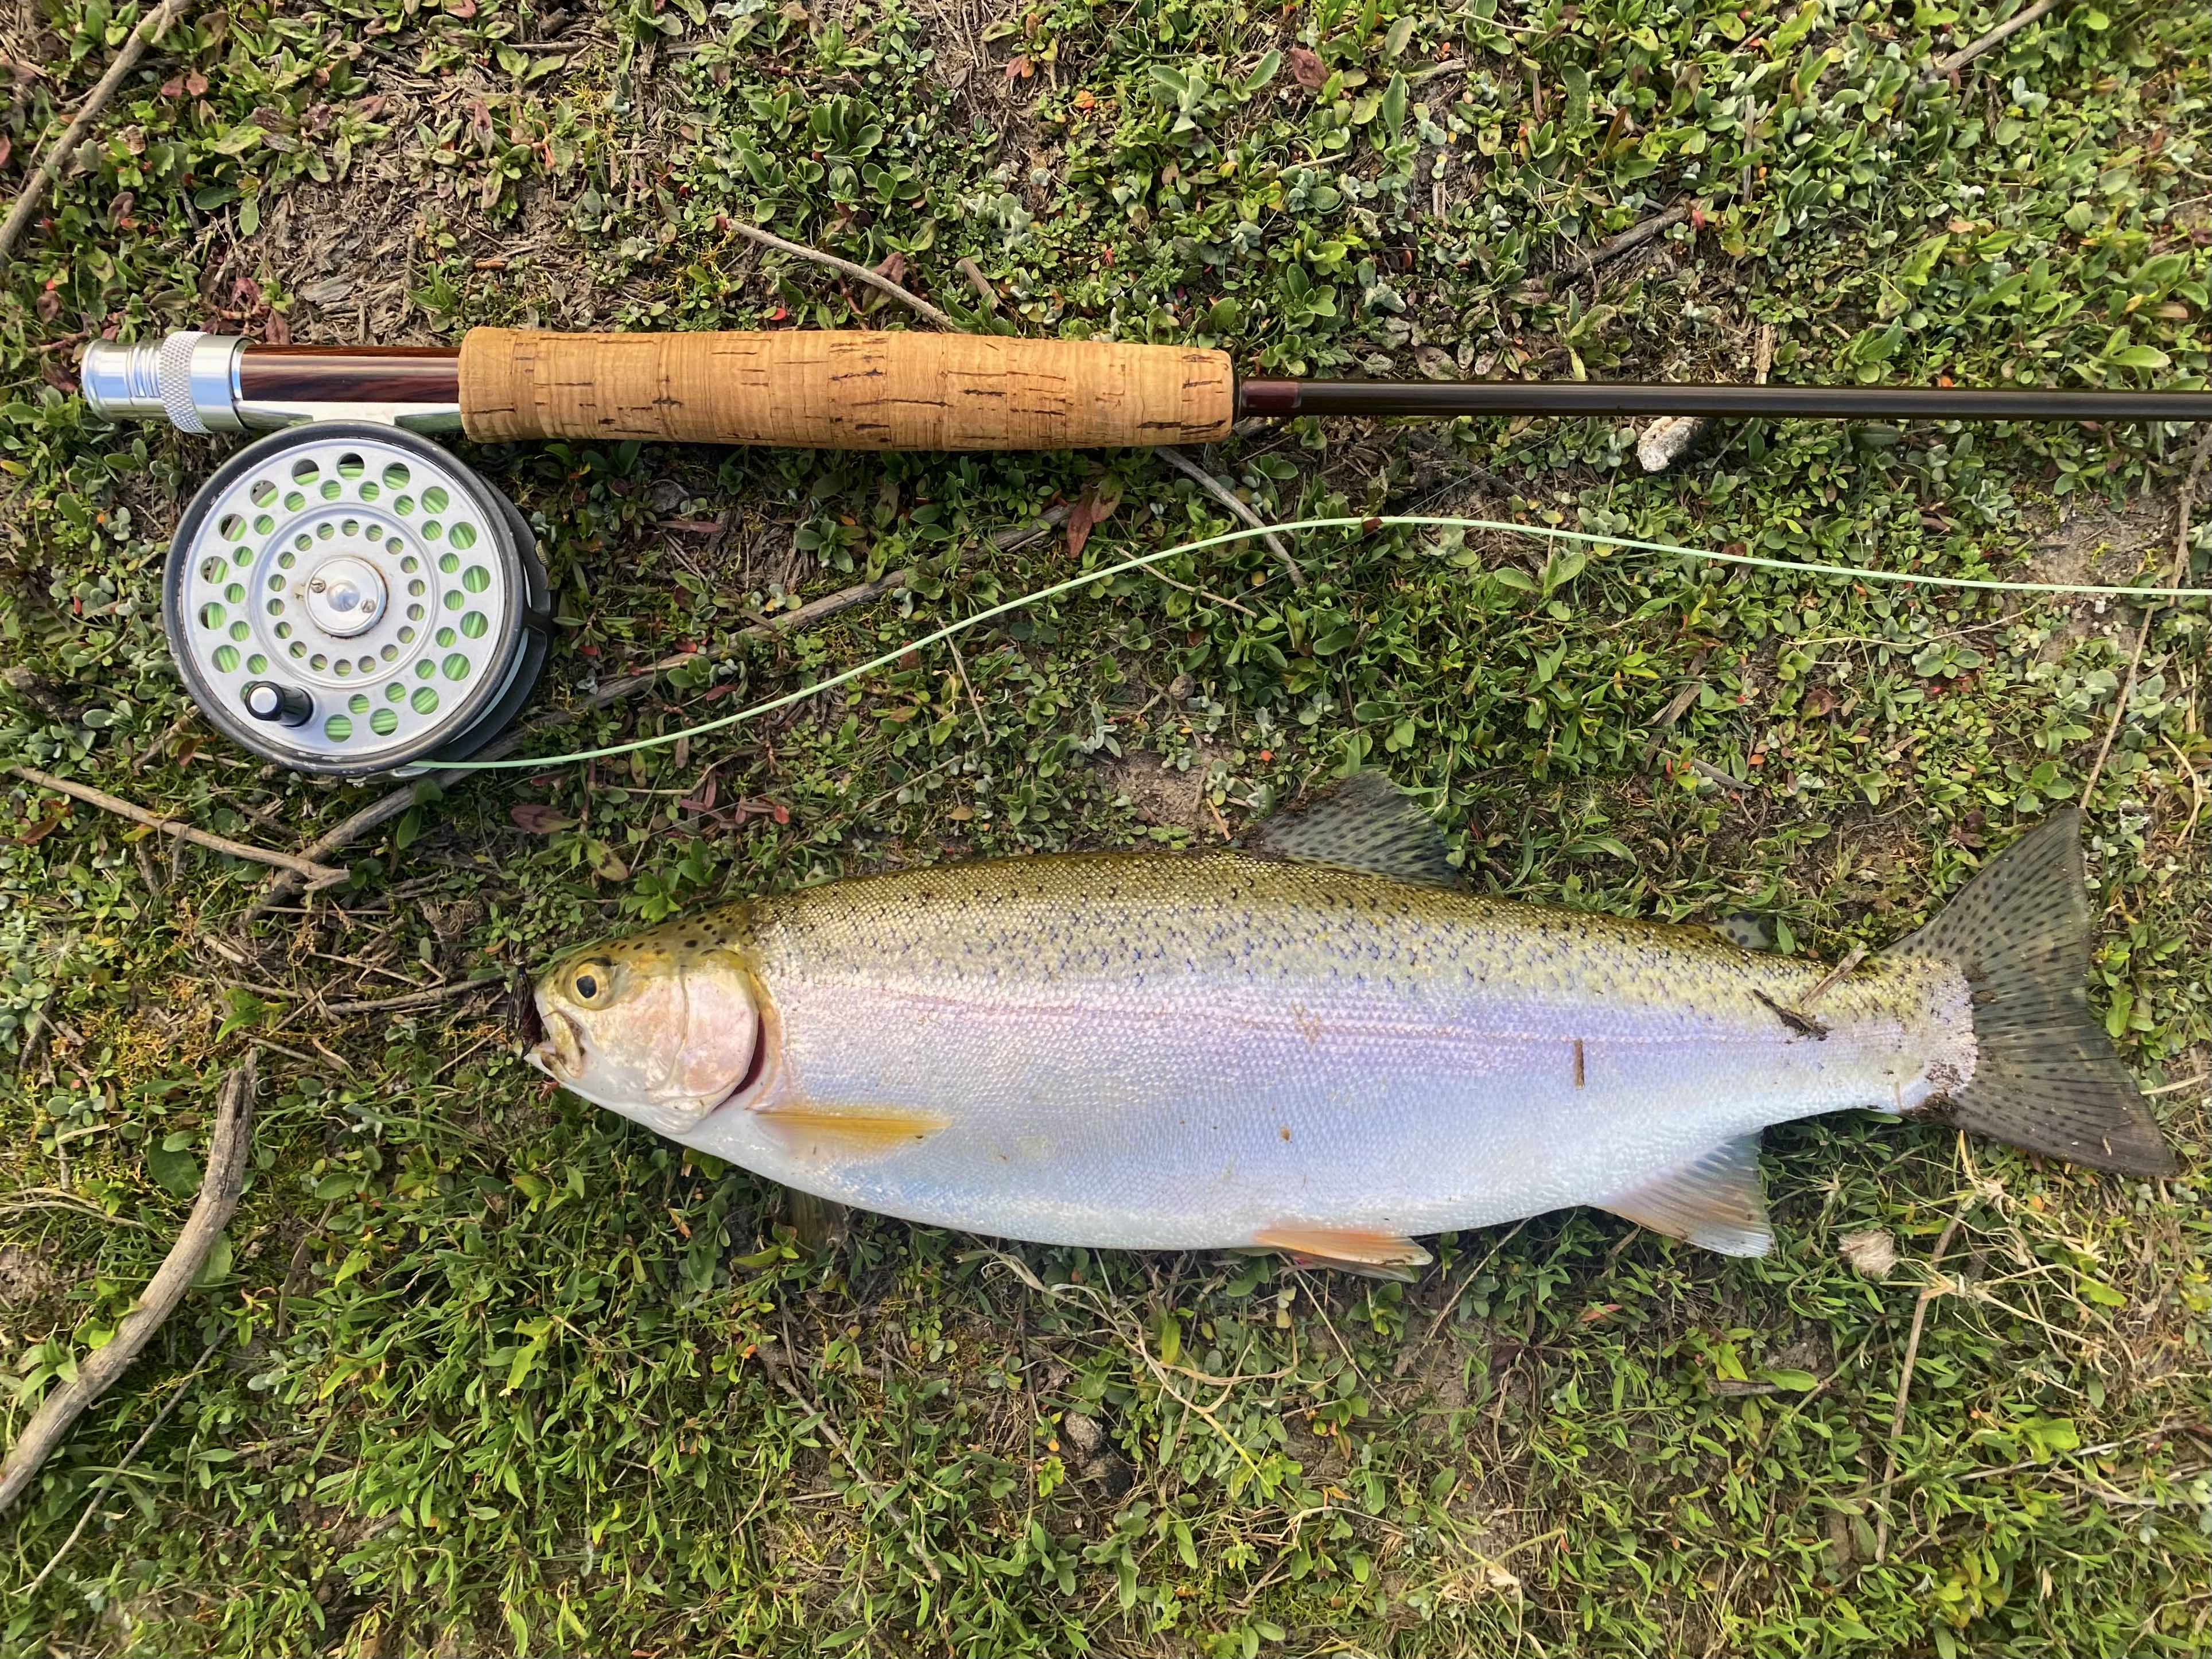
x=1181, y=1052
x=1272, y=1045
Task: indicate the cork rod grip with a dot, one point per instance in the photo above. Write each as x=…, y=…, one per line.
x=842, y=390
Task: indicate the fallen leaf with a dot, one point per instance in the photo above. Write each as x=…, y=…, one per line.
x=1096, y=507
x=1019, y=68
x=1436, y=363
x=758, y=807
x=538, y=818
x=1307, y=69
x=45, y=827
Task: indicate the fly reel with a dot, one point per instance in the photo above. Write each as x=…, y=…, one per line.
x=347, y=598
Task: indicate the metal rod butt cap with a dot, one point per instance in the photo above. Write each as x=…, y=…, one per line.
x=188, y=378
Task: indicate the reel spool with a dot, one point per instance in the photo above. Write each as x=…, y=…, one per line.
x=347, y=598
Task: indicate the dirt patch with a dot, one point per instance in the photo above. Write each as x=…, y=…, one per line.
x=1435, y=1386
x=345, y=252
x=1167, y=796
x=2096, y=543
x=24, y=1278
x=352, y=253
x=348, y=253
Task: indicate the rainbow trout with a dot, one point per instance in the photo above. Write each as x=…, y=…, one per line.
x=1318, y=1043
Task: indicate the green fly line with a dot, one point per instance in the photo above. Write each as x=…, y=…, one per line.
x=1799, y=567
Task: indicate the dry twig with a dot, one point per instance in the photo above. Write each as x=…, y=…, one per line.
x=2174, y=577
x=1938, y=1286
x=858, y=273
x=1996, y=37
x=97, y=1373
x=429, y=998
x=382, y=810
x=889, y=1504
x=1836, y=975
x=1627, y=242
x=1222, y=493
x=106, y=1481
x=50, y=165
x=979, y=281
x=309, y=872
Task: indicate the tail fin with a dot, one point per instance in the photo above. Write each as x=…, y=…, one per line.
x=2046, y=1077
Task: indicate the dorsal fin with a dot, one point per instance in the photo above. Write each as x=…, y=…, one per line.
x=1745, y=929
x=1365, y=822
x=1717, y=1202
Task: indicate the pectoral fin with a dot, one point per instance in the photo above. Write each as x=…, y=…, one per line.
x=1717, y=1202
x=848, y=1131
x=1352, y=1250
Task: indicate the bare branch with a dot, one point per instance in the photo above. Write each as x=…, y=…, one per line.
x=1996, y=37
x=57, y=155
x=98, y=1371
x=1628, y=241
x=1222, y=493
x=858, y=273
x=305, y=869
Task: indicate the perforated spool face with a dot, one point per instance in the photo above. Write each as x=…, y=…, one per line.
x=368, y=571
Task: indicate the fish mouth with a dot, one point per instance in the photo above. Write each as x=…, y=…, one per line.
x=559, y=1050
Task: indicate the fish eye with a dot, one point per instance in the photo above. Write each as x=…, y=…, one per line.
x=591, y=981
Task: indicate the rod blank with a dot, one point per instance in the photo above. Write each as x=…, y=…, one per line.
x=1377, y=399
x=858, y=390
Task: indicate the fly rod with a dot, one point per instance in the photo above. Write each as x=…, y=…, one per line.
x=348, y=597
x=874, y=391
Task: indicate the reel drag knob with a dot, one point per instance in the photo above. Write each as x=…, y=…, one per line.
x=349, y=599
x=287, y=705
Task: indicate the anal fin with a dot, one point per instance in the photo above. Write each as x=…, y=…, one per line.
x=849, y=1130
x=1351, y=1249
x=1716, y=1202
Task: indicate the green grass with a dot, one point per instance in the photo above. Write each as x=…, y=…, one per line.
x=487, y=1370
